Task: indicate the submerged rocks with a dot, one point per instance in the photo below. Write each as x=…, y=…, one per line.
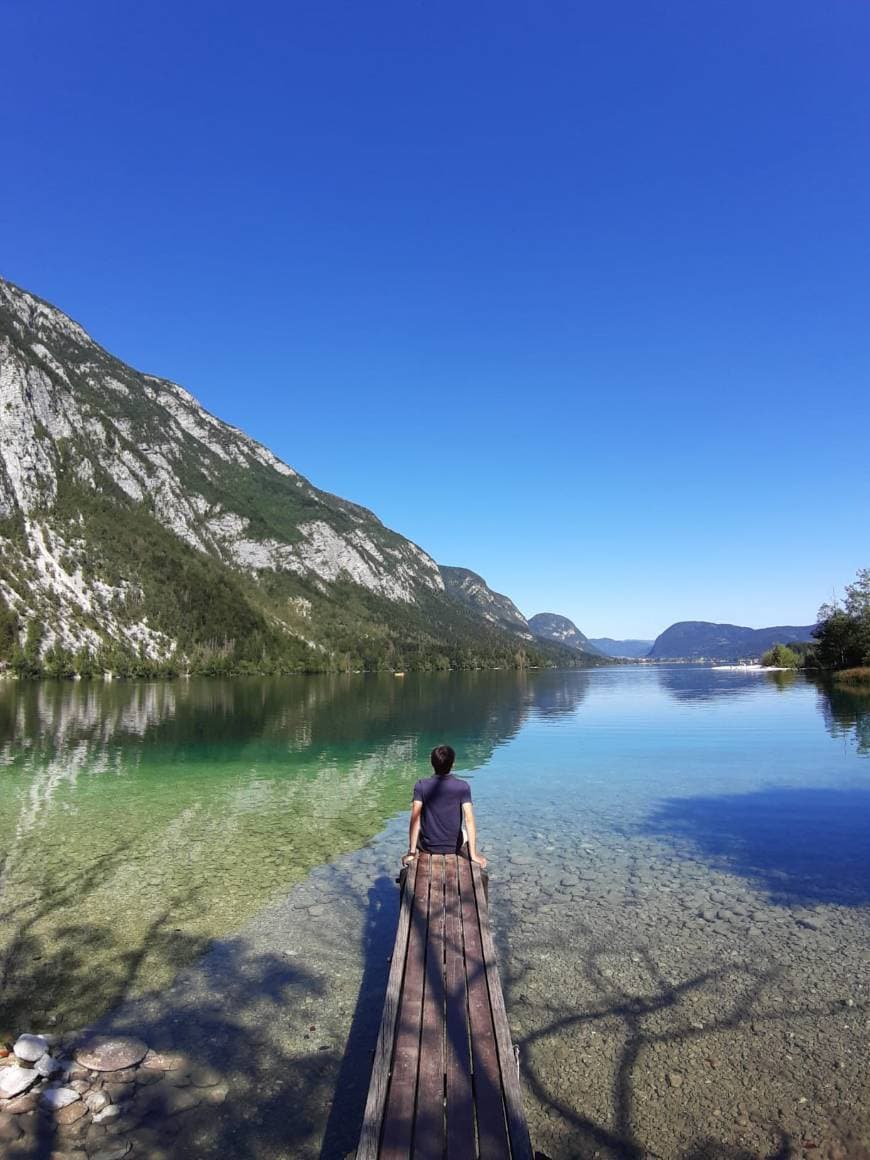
x=114, y=1151
x=9, y=1130
x=55, y=1098
x=163, y=1061
x=122, y=1091
x=70, y=1114
x=96, y=1101
x=111, y=1053
x=47, y=1066
x=20, y=1105
x=205, y=1077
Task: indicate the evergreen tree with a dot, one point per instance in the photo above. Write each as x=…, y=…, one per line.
x=8, y=631
x=29, y=663
x=843, y=631
x=83, y=663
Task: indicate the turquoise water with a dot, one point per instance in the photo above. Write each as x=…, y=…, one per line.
x=680, y=887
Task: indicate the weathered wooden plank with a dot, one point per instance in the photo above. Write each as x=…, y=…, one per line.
x=444, y=1030
x=429, y=1125
x=460, y=1108
x=518, y=1130
x=374, y=1113
x=398, y=1130
x=488, y=1099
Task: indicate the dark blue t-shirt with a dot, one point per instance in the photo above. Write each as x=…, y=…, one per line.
x=441, y=825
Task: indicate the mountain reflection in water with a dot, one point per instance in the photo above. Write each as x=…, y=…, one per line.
x=132, y=812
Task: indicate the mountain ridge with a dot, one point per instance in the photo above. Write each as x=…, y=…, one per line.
x=137, y=525
x=558, y=629
x=710, y=640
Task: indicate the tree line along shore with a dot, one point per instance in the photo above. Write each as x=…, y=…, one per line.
x=841, y=648
x=842, y=639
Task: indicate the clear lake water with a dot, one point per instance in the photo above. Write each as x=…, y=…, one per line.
x=680, y=890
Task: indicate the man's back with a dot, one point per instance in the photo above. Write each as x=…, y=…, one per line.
x=443, y=797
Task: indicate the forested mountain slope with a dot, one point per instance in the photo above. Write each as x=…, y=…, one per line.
x=703, y=640
x=474, y=592
x=137, y=530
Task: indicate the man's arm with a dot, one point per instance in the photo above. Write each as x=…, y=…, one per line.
x=468, y=816
x=414, y=829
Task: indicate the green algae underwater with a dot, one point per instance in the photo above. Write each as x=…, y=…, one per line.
x=140, y=821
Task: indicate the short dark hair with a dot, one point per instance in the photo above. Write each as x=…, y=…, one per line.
x=442, y=759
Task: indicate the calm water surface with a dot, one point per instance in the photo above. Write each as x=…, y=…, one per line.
x=680, y=886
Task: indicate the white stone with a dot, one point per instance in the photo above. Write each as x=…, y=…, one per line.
x=16, y=1080
x=58, y=1097
x=30, y=1048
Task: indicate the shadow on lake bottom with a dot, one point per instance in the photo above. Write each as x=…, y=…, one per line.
x=803, y=846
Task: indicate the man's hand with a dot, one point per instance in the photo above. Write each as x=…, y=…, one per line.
x=471, y=828
x=406, y=858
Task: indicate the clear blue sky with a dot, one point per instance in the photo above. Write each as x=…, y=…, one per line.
x=574, y=295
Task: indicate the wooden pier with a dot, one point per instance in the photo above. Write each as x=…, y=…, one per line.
x=445, y=1080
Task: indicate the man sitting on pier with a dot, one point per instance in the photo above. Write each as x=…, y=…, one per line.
x=441, y=805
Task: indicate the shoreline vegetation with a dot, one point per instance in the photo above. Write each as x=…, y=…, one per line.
x=26, y=654
x=840, y=651
x=60, y=664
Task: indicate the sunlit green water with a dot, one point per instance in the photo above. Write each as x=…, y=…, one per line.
x=138, y=821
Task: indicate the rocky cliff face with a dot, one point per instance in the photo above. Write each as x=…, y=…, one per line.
x=74, y=417
x=129, y=515
x=68, y=406
x=474, y=592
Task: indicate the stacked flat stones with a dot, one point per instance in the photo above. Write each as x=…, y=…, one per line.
x=99, y=1095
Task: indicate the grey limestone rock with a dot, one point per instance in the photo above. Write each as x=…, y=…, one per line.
x=97, y=1100
x=21, y=1105
x=107, y=1114
x=56, y=1097
x=47, y=1066
x=30, y=1048
x=15, y=1080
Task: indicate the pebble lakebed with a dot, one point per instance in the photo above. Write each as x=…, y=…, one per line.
x=697, y=997
x=661, y=1010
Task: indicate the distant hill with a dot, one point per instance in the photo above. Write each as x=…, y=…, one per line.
x=703, y=640
x=560, y=630
x=627, y=649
